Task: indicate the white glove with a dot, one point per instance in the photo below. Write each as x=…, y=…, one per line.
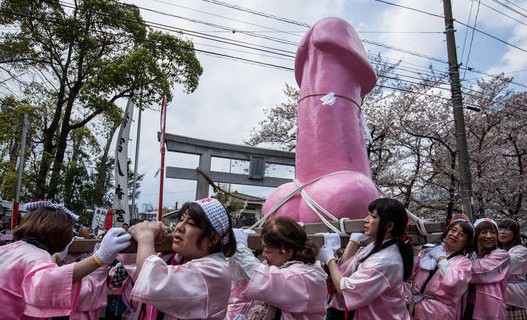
x=358, y=237
x=332, y=240
x=437, y=251
x=115, y=240
x=242, y=236
x=325, y=253
x=59, y=256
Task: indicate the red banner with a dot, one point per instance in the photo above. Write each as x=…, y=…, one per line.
x=109, y=219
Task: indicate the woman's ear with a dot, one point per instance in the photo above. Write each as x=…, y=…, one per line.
x=214, y=240
x=287, y=252
x=389, y=228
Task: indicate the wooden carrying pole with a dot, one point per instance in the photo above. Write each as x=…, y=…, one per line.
x=435, y=230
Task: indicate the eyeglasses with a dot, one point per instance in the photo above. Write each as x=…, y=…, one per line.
x=457, y=231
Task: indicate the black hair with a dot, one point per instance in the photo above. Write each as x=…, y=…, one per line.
x=515, y=228
x=391, y=210
x=195, y=211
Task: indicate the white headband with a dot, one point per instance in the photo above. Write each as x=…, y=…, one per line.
x=48, y=204
x=477, y=222
x=217, y=215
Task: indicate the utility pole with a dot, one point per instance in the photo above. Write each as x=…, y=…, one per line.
x=459, y=119
x=15, y=212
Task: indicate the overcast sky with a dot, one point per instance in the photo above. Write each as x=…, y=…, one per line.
x=232, y=93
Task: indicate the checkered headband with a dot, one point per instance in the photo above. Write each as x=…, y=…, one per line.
x=58, y=206
x=217, y=216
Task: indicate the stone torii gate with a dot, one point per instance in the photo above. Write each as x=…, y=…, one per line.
x=258, y=158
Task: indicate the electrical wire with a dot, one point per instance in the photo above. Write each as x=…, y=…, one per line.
x=290, y=69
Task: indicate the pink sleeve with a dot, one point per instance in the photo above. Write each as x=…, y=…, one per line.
x=363, y=287
x=298, y=288
x=93, y=291
x=518, y=257
x=242, y=264
x=49, y=290
x=492, y=268
x=193, y=290
x=457, y=275
x=416, y=264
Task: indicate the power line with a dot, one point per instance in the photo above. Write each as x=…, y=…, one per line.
x=229, y=18
x=471, y=38
x=258, y=13
x=250, y=61
x=508, y=8
x=364, y=40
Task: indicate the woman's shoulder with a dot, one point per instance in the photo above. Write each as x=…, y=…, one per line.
x=499, y=254
x=301, y=269
x=461, y=259
x=25, y=249
x=519, y=248
x=386, y=257
x=306, y=267
x=215, y=260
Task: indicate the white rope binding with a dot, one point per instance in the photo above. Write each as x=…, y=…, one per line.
x=318, y=209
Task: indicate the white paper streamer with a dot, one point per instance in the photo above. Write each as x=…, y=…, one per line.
x=328, y=99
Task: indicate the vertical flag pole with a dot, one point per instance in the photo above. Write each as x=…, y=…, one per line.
x=133, y=214
x=162, y=169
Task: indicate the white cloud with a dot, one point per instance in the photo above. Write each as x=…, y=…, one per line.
x=232, y=94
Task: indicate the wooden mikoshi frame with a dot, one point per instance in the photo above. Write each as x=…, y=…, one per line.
x=434, y=232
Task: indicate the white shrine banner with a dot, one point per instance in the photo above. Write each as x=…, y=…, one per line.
x=120, y=200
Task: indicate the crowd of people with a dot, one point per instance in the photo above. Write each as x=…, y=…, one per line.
x=478, y=271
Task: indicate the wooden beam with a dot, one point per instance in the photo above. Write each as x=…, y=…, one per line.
x=87, y=245
x=435, y=230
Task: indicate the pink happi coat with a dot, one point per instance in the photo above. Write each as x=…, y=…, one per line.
x=32, y=286
x=443, y=292
x=298, y=289
x=198, y=289
x=375, y=287
x=489, y=276
x=516, y=294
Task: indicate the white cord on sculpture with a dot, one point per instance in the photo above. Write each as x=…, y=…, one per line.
x=311, y=203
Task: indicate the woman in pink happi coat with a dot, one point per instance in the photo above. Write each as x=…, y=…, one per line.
x=516, y=295
x=490, y=267
x=442, y=274
x=370, y=281
x=33, y=286
x=288, y=284
x=196, y=283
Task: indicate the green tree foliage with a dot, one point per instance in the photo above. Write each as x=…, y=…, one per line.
x=12, y=114
x=83, y=57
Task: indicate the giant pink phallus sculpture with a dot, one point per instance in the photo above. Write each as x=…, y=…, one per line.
x=332, y=167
